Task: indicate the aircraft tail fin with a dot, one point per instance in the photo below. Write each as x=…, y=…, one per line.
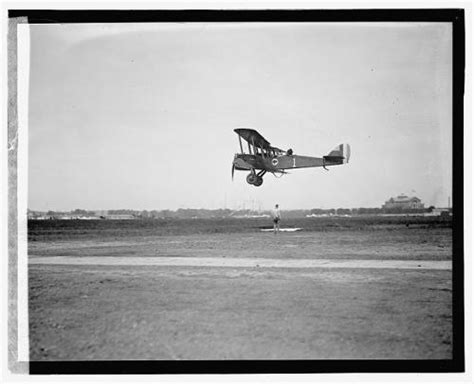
x=341, y=154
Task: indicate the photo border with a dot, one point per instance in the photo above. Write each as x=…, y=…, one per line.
x=455, y=16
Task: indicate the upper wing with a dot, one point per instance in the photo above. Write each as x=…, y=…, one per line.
x=256, y=139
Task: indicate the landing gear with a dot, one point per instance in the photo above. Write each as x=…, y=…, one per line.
x=255, y=179
x=251, y=178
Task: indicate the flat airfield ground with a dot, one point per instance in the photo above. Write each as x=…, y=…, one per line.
x=250, y=295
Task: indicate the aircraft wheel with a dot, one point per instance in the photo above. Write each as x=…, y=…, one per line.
x=251, y=178
x=258, y=182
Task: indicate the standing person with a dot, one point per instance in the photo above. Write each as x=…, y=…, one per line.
x=276, y=219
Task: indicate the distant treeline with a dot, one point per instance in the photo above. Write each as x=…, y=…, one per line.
x=222, y=213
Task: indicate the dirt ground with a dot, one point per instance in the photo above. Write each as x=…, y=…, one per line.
x=87, y=312
x=400, y=244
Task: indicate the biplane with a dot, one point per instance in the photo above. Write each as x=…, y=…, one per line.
x=262, y=157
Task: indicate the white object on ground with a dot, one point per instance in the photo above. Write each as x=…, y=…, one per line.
x=282, y=229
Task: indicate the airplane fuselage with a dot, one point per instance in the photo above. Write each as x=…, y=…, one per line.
x=278, y=163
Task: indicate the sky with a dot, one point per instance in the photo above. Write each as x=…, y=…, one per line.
x=141, y=116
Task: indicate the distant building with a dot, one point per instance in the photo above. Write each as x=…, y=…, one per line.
x=119, y=217
x=443, y=212
x=403, y=202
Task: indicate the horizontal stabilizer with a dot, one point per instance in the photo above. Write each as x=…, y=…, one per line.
x=341, y=154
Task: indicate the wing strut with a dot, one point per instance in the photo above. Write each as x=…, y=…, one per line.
x=241, y=148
